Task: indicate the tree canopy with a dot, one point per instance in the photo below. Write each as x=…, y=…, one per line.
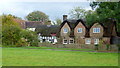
x=77, y=13
x=107, y=10
x=12, y=34
x=37, y=16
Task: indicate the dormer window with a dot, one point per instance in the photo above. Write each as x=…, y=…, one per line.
x=96, y=30
x=65, y=30
x=79, y=30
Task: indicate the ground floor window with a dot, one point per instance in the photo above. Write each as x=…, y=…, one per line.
x=64, y=41
x=96, y=41
x=71, y=41
x=87, y=41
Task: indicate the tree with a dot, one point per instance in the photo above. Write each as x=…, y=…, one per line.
x=77, y=13
x=37, y=16
x=58, y=21
x=12, y=34
x=91, y=17
x=10, y=31
x=14, y=16
x=108, y=10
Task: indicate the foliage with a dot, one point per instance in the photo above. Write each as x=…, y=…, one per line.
x=108, y=10
x=10, y=31
x=14, y=16
x=77, y=13
x=91, y=17
x=37, y=16
x=12, y=34
x=30, y=36
x=58, y=21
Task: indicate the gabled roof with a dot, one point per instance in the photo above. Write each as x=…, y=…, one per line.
x=72, y=24
x=33, y=24
x=21, y=22
x=47, y=30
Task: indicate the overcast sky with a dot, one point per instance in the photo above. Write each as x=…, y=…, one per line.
x=53, y=8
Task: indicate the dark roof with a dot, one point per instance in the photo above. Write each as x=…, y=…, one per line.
x=33, y=24
x=46, y=30
x=72, y=24
x=21, y=22
x=108, y=27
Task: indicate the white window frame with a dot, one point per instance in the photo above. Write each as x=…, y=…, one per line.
x=96, y=30
x=86, y=41
x=80, y=30
x=64, y=30
x=96, y=41
x=72, y=40
x=64, y=42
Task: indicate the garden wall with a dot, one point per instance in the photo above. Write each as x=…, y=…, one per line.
x=82, y=46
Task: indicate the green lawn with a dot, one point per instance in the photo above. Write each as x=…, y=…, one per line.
x=41, y=57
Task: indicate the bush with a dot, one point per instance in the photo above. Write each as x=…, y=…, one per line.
x=107, y=46
x=22, y=42
x=11, y=35
x=96, y=46
x=31, y=37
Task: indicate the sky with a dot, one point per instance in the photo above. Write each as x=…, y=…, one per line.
x=53, y=8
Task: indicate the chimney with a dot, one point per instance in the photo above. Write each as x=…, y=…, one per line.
x=64, y=17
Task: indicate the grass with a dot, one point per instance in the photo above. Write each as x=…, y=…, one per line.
x=41, y=57
x=61, y=48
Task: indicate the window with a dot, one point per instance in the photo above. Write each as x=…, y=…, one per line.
x=65, y=30
x=96, y=41
x=87, y=41
x=79, y=30
x=96, y=30
x=64, y=41
x=71, y=41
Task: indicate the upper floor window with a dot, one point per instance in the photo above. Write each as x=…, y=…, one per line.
x=96, y=30
x=65, y=30
x=79, y=30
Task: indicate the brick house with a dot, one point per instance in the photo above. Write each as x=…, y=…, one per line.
x=76, y=31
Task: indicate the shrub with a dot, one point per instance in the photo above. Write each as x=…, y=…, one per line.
x=96, y=46
x=22, y=42
x=107, y=46
x=31, y=37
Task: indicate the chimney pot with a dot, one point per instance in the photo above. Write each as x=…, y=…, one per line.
x=64, y=17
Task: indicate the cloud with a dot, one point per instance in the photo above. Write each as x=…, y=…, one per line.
x=52, y=9
x=44, y=0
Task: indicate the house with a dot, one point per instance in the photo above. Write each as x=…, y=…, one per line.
x=76, y=31
x=47, y=33
x=31, y=25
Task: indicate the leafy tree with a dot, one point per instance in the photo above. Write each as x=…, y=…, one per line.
x=108, y=10
x=37, y=16
x=58, y=21
x=10, y=30
x=77, y=13
x=91, y=17
x=14, y=16
x=12, y=34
